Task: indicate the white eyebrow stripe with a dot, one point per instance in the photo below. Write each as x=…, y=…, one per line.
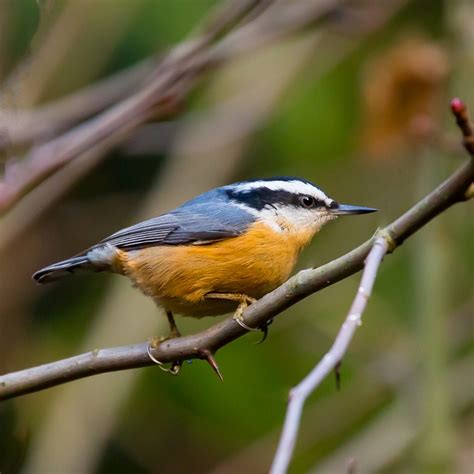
x=292, y=186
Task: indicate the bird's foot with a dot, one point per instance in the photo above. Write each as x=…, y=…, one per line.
x=153, y=344
x=238, y=316
x=244, y=302
x=157, y=340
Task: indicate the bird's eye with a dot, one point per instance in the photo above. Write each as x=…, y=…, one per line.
x=307, y=201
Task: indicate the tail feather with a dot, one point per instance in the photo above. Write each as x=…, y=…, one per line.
x=66, y=267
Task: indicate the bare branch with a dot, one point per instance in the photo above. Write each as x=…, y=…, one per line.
x=328, y=363
x=167, y=85
x=197, y=346
x=161, y=97
x=333, y=357
x=463, y=121
x=26, y=126
x=50, y=190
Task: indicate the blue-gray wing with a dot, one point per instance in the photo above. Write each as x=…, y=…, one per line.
x=191, y=224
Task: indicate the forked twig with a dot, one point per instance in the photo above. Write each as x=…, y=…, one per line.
x=384, y=243
x=308, y=385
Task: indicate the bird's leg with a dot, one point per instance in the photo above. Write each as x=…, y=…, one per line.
x=174, y=331
x=243, y=300
x=157, y=340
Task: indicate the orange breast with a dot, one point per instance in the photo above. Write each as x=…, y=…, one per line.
x=180, y=276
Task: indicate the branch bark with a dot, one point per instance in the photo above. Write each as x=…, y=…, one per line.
x=198, y=346
x=333, y=357
x=330, y=361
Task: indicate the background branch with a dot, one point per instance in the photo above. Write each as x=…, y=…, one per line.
x=147, y=139
x=304, y=283
x=37, y=125
x=161, y=97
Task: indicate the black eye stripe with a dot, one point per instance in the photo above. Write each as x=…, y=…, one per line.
x=258, y=198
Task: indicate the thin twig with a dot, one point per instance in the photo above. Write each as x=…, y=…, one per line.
x=301, y=392
x=332, y=359
x=463, y=121
x=301, y=285
x=394, y=430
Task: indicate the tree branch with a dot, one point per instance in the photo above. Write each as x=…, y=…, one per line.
x=198, y=346
x=329, y=362
x=167, y=85
x=166, y=89
x=26, y=126
x=333, y=357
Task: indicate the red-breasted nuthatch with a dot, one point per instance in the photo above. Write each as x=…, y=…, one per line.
x=218, y=252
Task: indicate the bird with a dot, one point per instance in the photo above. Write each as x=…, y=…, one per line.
x=216, y=253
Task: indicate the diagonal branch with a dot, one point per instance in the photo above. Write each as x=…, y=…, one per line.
x=333, y=357
x=45, y=122
x=169, y=84
x=198, y=346
x=30, y=126
x=329, y=362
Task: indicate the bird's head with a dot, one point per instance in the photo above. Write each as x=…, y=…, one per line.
x=289, y=204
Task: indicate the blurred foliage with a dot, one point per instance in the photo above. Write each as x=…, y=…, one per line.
x=319, y=128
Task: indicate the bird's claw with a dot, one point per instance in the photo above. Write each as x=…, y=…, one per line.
x=153, y=344
x=239, y=312
x=244, y=302
x=242, y=324
x=264, y=329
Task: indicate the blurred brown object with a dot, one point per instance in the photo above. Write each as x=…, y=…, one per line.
x=402, y=96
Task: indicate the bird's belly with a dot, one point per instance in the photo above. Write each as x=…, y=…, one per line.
x=179, y=277
x=197, y=309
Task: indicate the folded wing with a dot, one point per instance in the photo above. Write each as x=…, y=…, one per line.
x=200, y=224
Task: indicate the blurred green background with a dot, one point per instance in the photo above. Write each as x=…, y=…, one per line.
x=356, y=106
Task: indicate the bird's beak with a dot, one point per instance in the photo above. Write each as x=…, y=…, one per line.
x=346, y=209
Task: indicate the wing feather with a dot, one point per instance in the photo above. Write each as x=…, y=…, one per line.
x=198, y=224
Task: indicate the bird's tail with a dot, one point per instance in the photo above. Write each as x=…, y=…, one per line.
x=66, y=267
